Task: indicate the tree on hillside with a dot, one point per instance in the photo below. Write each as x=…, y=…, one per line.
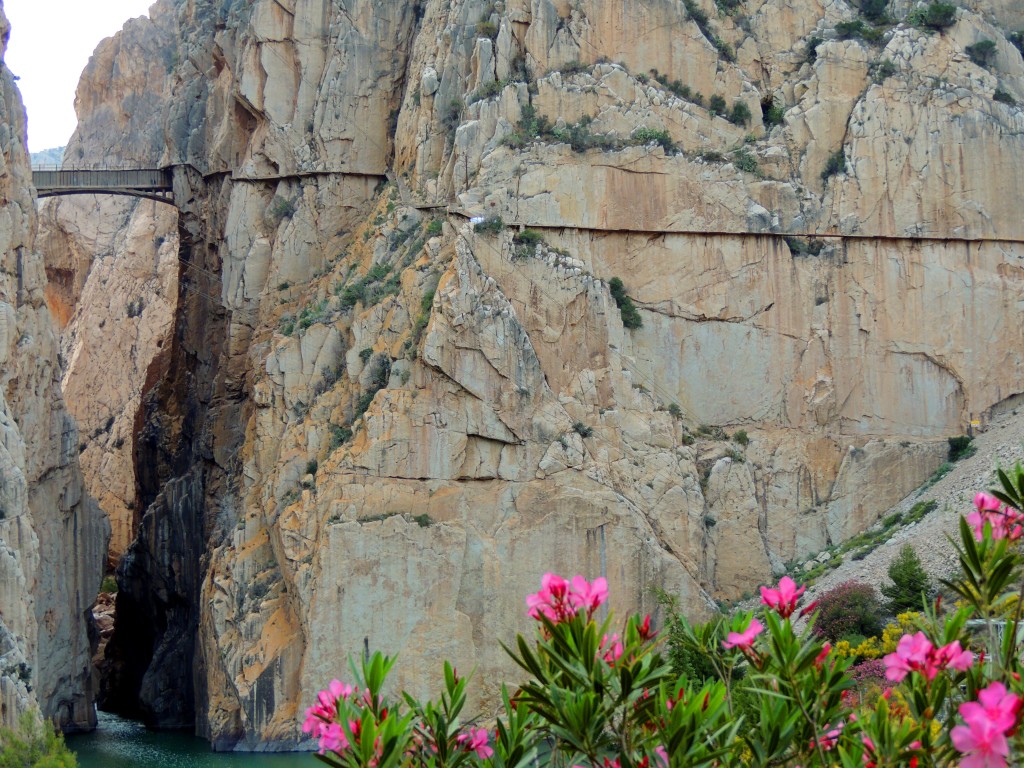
x=910, y=584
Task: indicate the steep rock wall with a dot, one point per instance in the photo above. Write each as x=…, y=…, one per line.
x=376, y=427
x=52, y=535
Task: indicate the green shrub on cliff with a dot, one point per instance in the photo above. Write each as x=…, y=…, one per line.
x=34, y=745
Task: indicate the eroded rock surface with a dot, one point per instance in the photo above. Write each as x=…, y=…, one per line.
x=52, y=535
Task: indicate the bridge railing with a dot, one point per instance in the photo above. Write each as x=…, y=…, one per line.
x=135, y=178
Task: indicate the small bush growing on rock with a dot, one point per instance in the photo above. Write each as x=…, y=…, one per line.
x=741, y=437
x=312, y=466
x=492, y=225
x=1004, y=97
x=434, y=228
x=982, y=53
x=874, y=10
x=960, y=448
x=582, y=429
x=630, y=316
x=109, y=584
x=746, y=161
x=835, y=164
x=339, y=435
x=772, y=114
x=716, y=105
x=487, y=29
x=935, y=16
x=650, y=135
x=740, y=114
x=812, y=49
x=675, y=411
x=858, y=30
x=850, y=609
x=883, y=70
x=280, y=208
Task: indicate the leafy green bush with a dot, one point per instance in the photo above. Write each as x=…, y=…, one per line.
x=434, y=228
x=716, y=105
x=675, y=411
x=910, y=584
x=339, y=435
x=874, y=10
x=109, y=584
x=811, y=50
x=982, y=53
x=582, y=429
x=280, y=208
x=644, y=136
x=34, y=744
x=740, y=114
x=630, y=316
x=960, y=448
x=857, y=29
x=746, y=161
x=487, y=29
x=772, y=114
x=850, y=609
x=1004, y=97
x=488, y=90
x=935, y=16
x=741, y=437
x=835, y=164
x=883, y=70
x=312, y=466
x=492, y=225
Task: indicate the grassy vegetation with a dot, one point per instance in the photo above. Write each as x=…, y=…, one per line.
x=835, y=164
x=864, y=543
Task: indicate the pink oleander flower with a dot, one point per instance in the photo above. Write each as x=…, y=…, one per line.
x=611, y=648
x=1005, y=521
x=320, y=717
x=745, y=639
x=475, y=741
x=915, y=653
x=782, y=600
x=559, y=600
x=982, y=744
x=996, y=705
x=662, y=755
x=830, y=738
x=333, y=739
x=589, y=596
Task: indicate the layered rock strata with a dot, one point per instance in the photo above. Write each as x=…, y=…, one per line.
x=375, y=427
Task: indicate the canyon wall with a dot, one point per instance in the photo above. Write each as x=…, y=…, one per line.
x=370, y=425
x=53, y=537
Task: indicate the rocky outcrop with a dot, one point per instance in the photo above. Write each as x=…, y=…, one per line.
x=52, y=535
x=374, y=426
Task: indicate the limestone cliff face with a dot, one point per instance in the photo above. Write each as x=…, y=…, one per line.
x=52, y=535
x=374, y=427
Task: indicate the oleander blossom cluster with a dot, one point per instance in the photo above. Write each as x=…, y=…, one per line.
x=560, y=600
x=915, y=653
x=988, y=721
x=1005, y=521
x=321, y=718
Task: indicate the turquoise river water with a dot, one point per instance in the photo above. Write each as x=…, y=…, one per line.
x=121, y=743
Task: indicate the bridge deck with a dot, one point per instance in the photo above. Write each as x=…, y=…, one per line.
x=140, y=182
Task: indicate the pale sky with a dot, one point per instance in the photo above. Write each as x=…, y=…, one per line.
x=51, y=42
